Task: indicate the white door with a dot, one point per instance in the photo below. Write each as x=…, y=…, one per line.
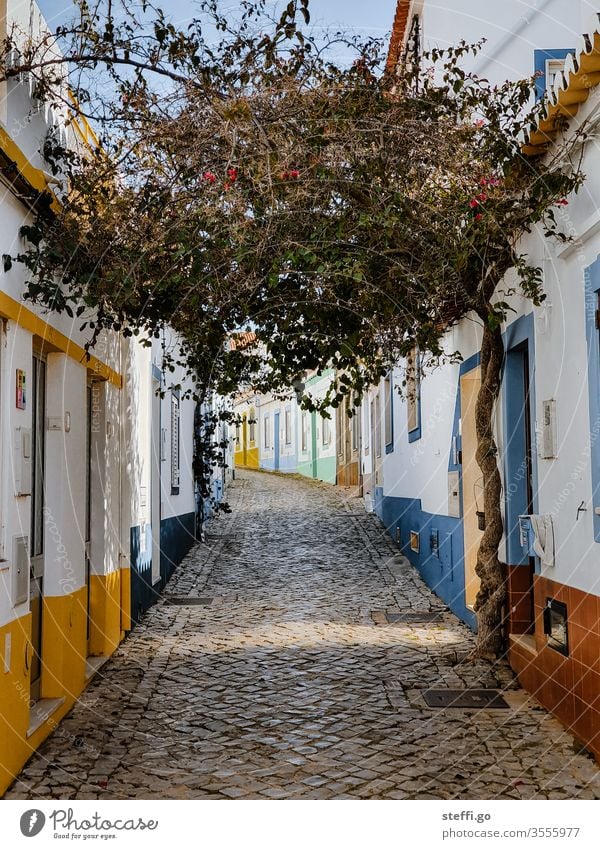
x=155, y=484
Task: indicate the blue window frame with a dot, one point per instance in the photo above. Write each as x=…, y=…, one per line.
x=413, y=395
x=388, y=400
x=540, y=60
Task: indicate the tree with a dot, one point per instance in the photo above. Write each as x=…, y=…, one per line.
x=341, y=213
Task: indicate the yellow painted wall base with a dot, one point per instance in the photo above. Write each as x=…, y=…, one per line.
x=14, y=699
x=105, y=613
x=251, y=461
x=126, y=600
x=64, y=644
x=64, y=652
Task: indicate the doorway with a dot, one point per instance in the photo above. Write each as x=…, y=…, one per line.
x=36, y=547
x=245, y=439
x=472, y=490
x=155, y=479
x=313, y=443
x=518, y=473
x=276, y=441
x=88, y=509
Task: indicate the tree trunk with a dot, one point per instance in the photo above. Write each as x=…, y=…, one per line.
x=492, y=592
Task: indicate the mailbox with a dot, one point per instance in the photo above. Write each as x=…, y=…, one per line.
x=526, y=536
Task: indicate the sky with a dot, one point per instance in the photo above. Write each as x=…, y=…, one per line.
x=372, y=18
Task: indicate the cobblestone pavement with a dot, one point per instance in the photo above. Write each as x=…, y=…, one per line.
x=290, y=685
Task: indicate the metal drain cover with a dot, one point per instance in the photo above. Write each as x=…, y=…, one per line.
x=189, y=601
x=413, y=618
x=465, y=699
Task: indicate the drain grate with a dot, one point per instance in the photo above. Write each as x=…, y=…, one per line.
x=414, y=618
x=189, y=601
x=465, y=699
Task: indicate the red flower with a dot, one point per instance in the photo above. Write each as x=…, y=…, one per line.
x=478, y=216
x=484, y=181
x=294, y=174
x=562, y=202
x=209, y=177
x=473, y=203
x=482, y=197
x=232, y=174
x=285, y=175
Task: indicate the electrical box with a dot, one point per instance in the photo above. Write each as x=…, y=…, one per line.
x=23, y=458
x=453, y=495
x=549, y=437
x=20, y=569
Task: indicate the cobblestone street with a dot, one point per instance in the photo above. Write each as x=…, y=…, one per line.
x=290, y=684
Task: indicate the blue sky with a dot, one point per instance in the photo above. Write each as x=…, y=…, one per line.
x=373, y=18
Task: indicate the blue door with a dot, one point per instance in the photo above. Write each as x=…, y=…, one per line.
x=276, y=442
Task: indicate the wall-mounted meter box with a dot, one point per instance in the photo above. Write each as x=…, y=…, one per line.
x=20, y=569
x=23, y=458
x=549, y=436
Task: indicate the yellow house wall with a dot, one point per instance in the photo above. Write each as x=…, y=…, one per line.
x=251, y=458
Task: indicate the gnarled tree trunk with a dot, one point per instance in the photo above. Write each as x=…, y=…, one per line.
x=492, y=593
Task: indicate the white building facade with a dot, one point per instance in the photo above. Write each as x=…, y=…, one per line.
x=97, y=498
x=427, y=486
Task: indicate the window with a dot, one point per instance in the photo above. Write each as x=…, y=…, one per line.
x=237, y=434
x=413, y=395
x=355, y=427
x=555, y=625
x=388, y=399
x=326, y=430
x=547, y=65
x=367, y=427
x=175, y=415
x=288, y=427
x=304, y=432
x=339, y=428
x=377, y=424
x=267, y=432
x=252, y=425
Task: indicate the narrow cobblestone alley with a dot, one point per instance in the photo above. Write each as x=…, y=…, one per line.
x=286, y=685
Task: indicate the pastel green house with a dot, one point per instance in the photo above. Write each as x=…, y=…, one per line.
x=317, y=435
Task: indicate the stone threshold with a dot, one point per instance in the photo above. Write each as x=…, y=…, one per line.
x=524, y=641
x=93, y=664
x=41, y=711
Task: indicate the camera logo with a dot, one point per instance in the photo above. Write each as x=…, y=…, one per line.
x=32, y=822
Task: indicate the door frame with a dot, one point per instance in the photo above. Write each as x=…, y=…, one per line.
x=155, y=476
x=276, y=440
x=470, y=475
x=313, y=444
x=36, y=560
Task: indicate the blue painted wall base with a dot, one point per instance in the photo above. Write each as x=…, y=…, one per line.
x=177, y=535
x=440, y=559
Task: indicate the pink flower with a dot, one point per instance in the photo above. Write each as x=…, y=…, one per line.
x=209, y=177
x=482, y=197
x=484, y=181
x=479, y=123
x=284, y=175
x=562, y=202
